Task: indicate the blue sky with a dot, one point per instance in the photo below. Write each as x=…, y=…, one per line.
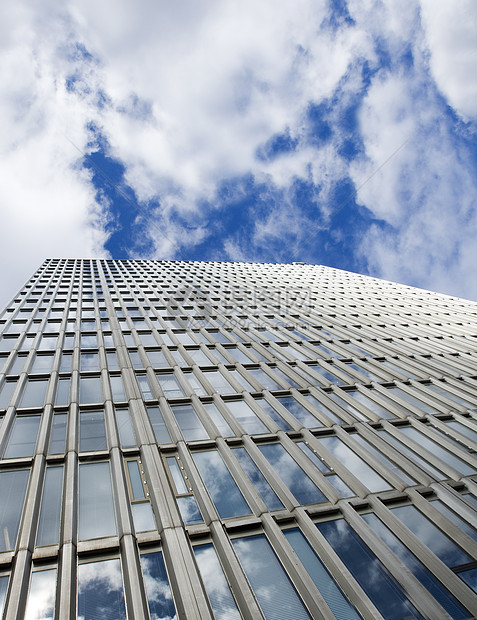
x=334, y=132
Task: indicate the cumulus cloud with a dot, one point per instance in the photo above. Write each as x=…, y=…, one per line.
x=451, y=35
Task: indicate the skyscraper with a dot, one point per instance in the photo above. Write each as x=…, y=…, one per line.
x=234, y=440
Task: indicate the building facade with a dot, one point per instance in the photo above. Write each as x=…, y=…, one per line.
x=235, y=440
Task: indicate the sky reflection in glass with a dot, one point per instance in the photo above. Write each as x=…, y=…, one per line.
x=302, y=487
x=222, y=488
x=12, y=492
x=376, y=581
x=274, y=591
x=41, y=596
x=100, y=591
x=159, y=596
x=218, y=589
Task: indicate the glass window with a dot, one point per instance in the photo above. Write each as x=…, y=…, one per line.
x=335, y=599
x=199, y=357
x=355, y=464
x=42, y=364
x=258, y=479
x=13, y=486
x=463, y=430
x=170, y=386
x=112, y=361
x=246, y=417
x=63, y=391
x=425, y=442
x=158, y=591
x=299, y=412
x=41, y=595
x=411, y=400
x=158, y=425
x=219, y=421
x=276, y=417
x=117, y=388
x=125, y=429
x=89, y=341
x=414, y=457
x=96, y=511
x=450, y=604
x=90, y=390
x=157, y=359
x=189, y=423
x=89, y=361
x=218, y=382
x=58, y=433
x=34, y=394
x=145, y=387
x=6, y=393
x=92, y=431
x=372, y=576
x=389, y=464
x=49, y=523
x=218, y=590
x=272, y=587
x=3, y=593
x=222, y=488
x=431, y=536
x=22, y=439
x=66, y=362
x=301, y=485
x=265, y=380
x=100, y=591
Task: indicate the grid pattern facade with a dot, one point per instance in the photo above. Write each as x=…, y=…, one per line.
x=235, y=440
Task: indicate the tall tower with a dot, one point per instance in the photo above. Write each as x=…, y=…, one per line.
x=235, y=440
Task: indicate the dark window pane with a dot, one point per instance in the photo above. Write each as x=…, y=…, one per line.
x=372, y=576
x=58, y=433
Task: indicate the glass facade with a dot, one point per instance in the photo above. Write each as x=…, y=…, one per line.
x=235, y=440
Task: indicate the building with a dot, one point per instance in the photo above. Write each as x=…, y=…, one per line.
x=234, y=440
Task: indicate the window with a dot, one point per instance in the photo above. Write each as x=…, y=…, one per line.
x=372, y=576
x=189, y=423
x=246, y=417
x=258, y=479
x=96, y=511
x=58, y=433
x=222, y=488
x=170, y=386
x=125, y=429
x=272, y=587
x=41, y=595
x=49, y=523
x=218, y=590
x=188, y=508
x=13, y=484
x=23, y=436
x=34, y=393
x=90, y=390
x=92, y=431
x=100, y=591
x=158, y=591
x=158, y=425
x=299, y=483
x=141, y=507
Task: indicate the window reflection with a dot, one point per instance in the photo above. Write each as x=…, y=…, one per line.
x=272, y=587
x=218, y=589
x=49, y=523
x=372, y=576
x=92, y=431
x=334, y=598
x=96, y=512
x=222, y=488
x=427, y=579
x=22, y=439
x=301, y=485
x=58, y=433
x=159, y=595
x=3, y=593
x=189, y=423
x=355, y=464
x=258, y=479
x=41, y=596
x=246, y=417
x=100, y=591
x=12, y=491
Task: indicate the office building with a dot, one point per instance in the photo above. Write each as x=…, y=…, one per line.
x=234, y=440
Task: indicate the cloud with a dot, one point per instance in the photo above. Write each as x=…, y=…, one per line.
x=241, y=130
x=451, y=35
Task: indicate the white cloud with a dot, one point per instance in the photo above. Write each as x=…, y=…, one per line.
x=451, y=34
